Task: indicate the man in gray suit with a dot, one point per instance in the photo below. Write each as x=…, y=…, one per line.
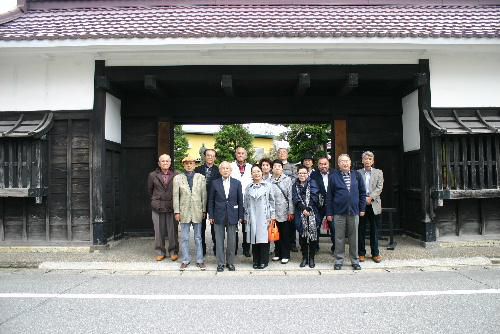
x=374, y=183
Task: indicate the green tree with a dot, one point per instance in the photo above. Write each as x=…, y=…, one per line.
x=307, y=139
x=229, y=138
x=181, y=147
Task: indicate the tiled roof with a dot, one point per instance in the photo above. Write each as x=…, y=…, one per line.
x=257, y=21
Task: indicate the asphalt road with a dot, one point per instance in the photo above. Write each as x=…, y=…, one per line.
x=463, y=300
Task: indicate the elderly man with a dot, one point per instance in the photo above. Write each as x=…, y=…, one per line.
x=160, y=189
x=241, y=171
x=289, y=170
x=374, y=183
x=345, y=203
x=190, y=203
x=225, y=209
x=211, y=172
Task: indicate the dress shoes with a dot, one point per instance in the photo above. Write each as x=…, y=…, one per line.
x=231, y=267
x=377, y=259
x=160, y=258
x=356, y=266
x=361, y=258
x=337, y=267
x=246, y=253
x=303, y=263
x=184, y=266
x=312, y=264
x=174, y=257
x=220, y=268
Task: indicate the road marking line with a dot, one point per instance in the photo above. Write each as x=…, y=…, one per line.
x=250, y=297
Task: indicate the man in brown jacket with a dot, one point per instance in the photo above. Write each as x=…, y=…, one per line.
x=160, y=188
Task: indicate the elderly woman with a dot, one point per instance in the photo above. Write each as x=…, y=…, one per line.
x=259, y=213
x=305, y=193
x=266, y=166
x=283, y=204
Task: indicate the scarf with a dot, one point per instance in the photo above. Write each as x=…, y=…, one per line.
x=308, y=222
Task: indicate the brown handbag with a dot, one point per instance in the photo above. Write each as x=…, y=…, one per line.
x=274, y=234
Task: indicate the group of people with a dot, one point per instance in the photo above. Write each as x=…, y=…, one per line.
x=299, y=200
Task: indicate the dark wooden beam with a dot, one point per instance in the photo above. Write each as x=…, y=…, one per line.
x=165, y=139
x=152, y=86
x=340, y=132
x=351, y=82
x=98, y=158
x=424, y=103
x=226, y=83
x=303, y=84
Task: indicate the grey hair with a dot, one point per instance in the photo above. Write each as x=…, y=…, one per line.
x=343, y=155
x=225, y=163
x=367, y=154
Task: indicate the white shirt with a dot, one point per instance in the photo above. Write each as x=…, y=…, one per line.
x=226, y=183
x=368, y=175
x=325, y=180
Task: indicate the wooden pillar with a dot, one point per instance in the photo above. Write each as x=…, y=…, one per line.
x=424, y=102
x=98, y=157
x=339, y=137
x=166, y=138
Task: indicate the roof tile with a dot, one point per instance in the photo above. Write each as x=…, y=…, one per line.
x=259, y=21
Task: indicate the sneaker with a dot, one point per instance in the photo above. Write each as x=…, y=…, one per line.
x=202, y=266
x=356, y=266
x=184, y=266
x=377, y=259
x=284, y=261
x=276, y=258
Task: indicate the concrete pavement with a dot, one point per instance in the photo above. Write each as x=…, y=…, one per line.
x=136, y=254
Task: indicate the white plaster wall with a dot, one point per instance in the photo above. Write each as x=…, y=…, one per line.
x=465, y=79
x=46, y=83
x=113, y=120
x=7, y=5
x=411, y=134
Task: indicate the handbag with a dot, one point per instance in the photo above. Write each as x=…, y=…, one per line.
x=274, y=234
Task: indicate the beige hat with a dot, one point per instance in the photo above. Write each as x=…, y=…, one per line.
x=188, y=159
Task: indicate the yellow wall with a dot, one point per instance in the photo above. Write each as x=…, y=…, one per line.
x=197, y=140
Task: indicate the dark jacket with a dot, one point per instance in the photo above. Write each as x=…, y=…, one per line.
x=161, y=195
x=316, y=176
x=299, y=192
x=215, y=174
x=339, y=200
x=220, y=207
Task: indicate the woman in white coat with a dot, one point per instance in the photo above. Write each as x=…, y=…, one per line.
x=259, y=213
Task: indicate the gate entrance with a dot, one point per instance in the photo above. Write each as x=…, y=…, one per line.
x=362, y=102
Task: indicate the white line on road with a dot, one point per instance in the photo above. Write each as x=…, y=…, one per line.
x=250, y=297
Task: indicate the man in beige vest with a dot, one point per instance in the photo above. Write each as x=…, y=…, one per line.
x=190, y=203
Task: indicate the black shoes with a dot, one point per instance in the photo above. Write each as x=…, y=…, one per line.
x=356, y=266
x=255, y=266
x=311, y=263
x=220, y=268
x=231, y=267
x=246, y=253
x=337, y=267
x=304, y=262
